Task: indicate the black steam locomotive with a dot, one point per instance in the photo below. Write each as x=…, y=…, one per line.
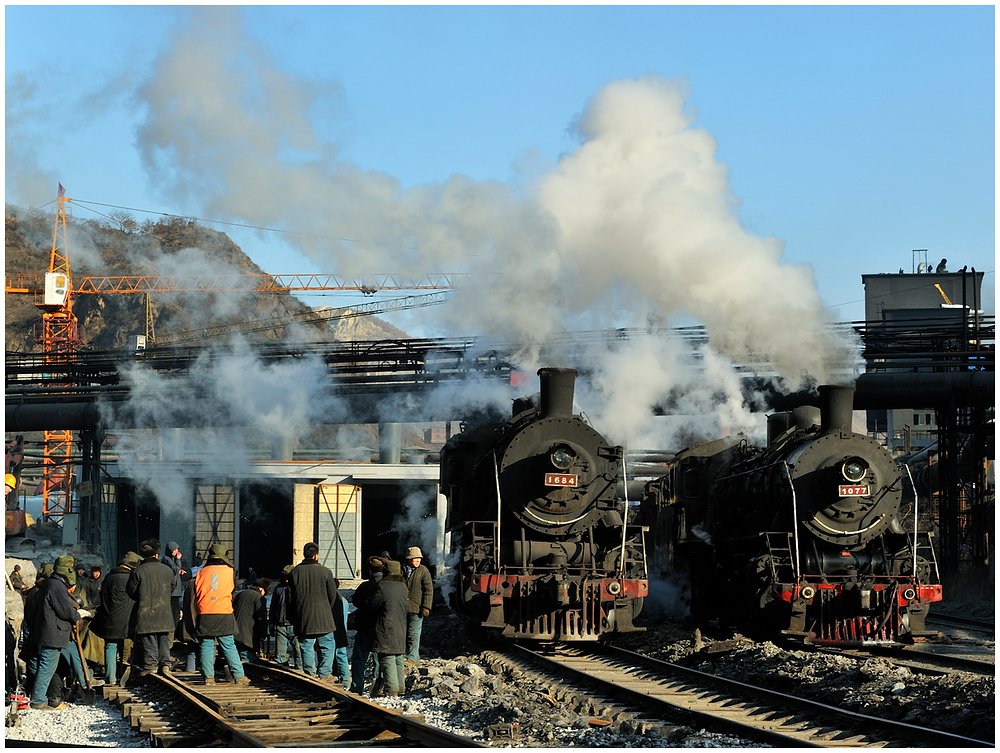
x=546, y=552
x=802, y=537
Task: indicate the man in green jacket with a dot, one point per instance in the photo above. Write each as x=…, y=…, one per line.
x=421, y=587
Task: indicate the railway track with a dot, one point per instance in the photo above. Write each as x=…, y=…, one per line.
x=279, y=708
x=971, y=624
x=753, y=713
x=920, y=659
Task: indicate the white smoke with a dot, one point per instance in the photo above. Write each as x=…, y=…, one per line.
x=233, y=405
x=639, y=218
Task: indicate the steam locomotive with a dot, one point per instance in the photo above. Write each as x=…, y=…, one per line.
x=802, y=537
x=546, y=550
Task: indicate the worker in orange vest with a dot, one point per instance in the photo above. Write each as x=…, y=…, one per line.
x=213, y=600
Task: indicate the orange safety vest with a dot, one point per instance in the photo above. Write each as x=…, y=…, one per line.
x=213, y=589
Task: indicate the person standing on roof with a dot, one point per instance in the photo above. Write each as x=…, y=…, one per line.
x=213, y=603
x=421, y=590
x=313, y=594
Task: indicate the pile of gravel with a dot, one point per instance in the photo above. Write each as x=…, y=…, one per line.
x=77, y=725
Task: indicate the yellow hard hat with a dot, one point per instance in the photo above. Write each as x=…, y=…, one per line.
x=10, y=480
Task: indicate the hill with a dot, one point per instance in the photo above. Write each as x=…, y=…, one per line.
x=119, y=246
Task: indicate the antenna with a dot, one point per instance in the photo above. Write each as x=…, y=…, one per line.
x=919, y=260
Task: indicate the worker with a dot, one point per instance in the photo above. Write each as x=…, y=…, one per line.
x=16, y=581
x=213, y=601
x=250, y=613
x=150, y=584
x=57, y=613
x=114, y=616
x=364, y=622
x=421, y=590
x=173, y=559
x=314, y=592
x=388, y=606
x=10, y=483
x=286, y=644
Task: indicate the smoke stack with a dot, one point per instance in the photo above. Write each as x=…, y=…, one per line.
x=836, y=402
x=777, y=424
x=556, y=397
x=389, y=442
x=282, y=448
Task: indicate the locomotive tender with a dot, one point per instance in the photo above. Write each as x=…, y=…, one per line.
x=546, y=552
x=801, y=537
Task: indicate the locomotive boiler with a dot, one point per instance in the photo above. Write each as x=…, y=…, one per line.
x=803, y=537
x=545, y=548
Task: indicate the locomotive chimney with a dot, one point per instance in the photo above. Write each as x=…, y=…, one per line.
x=836, y=402
x=556, y=398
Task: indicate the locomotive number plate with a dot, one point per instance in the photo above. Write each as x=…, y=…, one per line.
x=848, y=490
x=561, y=479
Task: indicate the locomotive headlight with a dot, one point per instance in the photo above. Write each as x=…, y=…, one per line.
x=562, y=457
x=854, y=469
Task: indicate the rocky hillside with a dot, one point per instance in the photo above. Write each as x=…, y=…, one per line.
x=120, y=246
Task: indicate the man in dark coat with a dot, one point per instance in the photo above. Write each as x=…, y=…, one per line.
x=174, y=559
x=212, y=609
x=89, y=586
x=314, y=592
x=364, y=624
x=116, y=615
x=16, y=581
x=421, y=590
x=250, y=612
x=341, y=661
x=281, y=622
x=56, y=614
x=150, y=584
x=388, y=605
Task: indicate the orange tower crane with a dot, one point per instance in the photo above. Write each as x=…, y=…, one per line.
x=60, y=335
x=59, y=338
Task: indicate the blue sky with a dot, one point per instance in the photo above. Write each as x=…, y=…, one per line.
x=850, y=135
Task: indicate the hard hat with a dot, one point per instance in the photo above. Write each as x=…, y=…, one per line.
x=10, y=480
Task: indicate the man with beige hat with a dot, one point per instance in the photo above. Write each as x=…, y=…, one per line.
x=421, y=587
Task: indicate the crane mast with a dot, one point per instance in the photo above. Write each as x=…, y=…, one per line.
x=59, y=338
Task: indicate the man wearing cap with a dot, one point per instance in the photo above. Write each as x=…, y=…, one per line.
x=364, y=623
x=16, y=581
x=213, y=602
x=173, y=559
x=250, y=613
x=388, y=606
x=421, y=587
x=281, y=623
x=115, y=616
x=314, y=593
x=150, y=584
x=57, y=613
